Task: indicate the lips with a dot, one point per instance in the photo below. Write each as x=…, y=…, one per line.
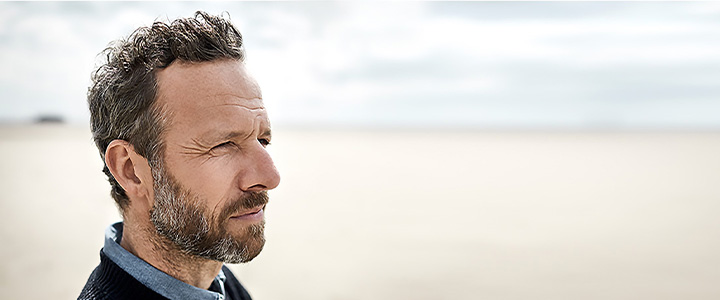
x=249, y=212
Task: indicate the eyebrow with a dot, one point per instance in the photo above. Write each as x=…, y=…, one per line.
x=234, y=134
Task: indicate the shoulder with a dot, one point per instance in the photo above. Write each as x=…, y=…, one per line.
x=109, y=281
x=233, y=288
x=94, y=286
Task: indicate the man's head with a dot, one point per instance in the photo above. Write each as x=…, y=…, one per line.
x=182, y=129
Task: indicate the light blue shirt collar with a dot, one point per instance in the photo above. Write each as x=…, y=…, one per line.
x=153, y=278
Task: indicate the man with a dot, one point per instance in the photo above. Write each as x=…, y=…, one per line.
x=181, y=127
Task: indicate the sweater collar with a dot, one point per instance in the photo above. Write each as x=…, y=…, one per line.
x=156, y=280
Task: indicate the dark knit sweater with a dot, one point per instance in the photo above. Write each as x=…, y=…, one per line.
x=109, y=281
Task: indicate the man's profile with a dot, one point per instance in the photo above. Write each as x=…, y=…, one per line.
x=182, y=129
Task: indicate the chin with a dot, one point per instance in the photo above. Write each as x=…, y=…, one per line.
x=234, y=249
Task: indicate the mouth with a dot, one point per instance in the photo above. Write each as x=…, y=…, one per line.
x=253, y=213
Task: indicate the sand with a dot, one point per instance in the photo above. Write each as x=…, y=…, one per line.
x=390, y=214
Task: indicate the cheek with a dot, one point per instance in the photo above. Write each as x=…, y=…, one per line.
x=214, y=180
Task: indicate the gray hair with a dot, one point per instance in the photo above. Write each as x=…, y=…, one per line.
x=124, y=88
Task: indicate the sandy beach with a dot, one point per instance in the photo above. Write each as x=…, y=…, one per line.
x=393, y=214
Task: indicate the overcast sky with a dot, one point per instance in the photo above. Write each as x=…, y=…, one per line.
x=407, y=64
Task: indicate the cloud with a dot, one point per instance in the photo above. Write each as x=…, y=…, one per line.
x=500, y=64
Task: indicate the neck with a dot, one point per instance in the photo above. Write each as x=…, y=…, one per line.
x=145, y=243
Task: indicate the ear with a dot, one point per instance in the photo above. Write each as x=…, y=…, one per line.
x=131, y=171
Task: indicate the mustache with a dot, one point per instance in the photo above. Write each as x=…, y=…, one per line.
x=245, y=202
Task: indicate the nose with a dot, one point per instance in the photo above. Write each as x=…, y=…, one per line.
x=259, y=172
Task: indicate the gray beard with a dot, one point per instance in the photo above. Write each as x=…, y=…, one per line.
x=178, y=216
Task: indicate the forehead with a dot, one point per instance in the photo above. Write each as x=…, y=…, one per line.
x=209, y=96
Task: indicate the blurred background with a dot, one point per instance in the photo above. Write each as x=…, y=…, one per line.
x=429, y=150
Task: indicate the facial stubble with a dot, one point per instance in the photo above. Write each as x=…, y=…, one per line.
x=178, y=216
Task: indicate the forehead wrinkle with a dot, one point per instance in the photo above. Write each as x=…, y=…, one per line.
x=240, y=100
x=243, y=96
x=248, y=107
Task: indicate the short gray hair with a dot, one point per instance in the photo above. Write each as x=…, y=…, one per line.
x=124, y=88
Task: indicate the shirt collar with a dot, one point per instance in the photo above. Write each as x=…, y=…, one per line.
x=153, y=278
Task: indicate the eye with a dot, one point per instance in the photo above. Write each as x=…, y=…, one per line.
x=228, y=143
x=264, y=142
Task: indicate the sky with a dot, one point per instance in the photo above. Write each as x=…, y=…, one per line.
x=577, y=65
